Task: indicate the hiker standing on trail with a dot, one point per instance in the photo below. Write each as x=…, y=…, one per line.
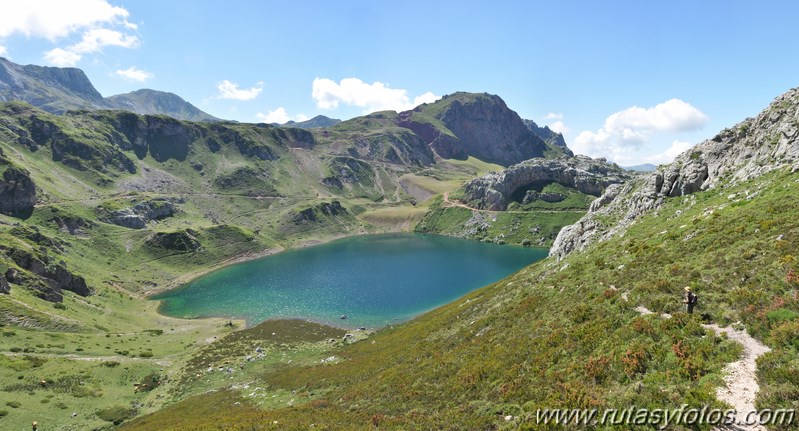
x=690, y=300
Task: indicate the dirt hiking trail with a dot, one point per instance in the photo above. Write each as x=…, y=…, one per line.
x=740, y=377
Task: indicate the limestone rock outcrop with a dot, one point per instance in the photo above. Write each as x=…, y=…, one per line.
x=752, y=148
x=495, y=191
x=137, y=216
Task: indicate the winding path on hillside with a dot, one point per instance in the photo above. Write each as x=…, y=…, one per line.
x=740, y=377
x=451, y=203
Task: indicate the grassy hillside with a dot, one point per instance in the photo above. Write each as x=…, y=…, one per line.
x=564, y=334
x=129, y=205
x=536, y=223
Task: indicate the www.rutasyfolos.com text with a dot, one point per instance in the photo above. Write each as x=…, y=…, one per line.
x=662, y=418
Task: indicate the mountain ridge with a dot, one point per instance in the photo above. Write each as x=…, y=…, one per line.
x=58, y=90
x=319, y=121
x=154, y=102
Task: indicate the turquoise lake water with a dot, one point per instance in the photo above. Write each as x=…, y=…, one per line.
x=374, y=280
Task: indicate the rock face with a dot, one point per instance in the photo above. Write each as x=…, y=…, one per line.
x=752, y=148
x=478, y=125
x=53, y=277
x=17, y=190
x=549, y=136
x=495, y=191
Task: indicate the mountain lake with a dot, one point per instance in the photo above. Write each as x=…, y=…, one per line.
x=373, y=280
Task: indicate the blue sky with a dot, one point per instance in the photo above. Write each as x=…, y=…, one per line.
x=634, y=81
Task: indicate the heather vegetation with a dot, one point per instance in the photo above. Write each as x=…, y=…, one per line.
x=566, y=334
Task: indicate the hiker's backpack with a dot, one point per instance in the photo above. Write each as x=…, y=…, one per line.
x=693, y=298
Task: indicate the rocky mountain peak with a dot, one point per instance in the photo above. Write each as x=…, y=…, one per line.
x=153, y=102
x=481, y=125
x=318, y=122
x=549, y=136
x=55, y=89
x=61, y=89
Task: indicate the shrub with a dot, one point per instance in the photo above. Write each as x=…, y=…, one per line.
x=115, y=414
x=13, y=404
x=781, y=315
x=787, y=334
x=634, y=361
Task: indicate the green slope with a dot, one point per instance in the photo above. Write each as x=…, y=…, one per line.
x=561, y=334
x=218, y=192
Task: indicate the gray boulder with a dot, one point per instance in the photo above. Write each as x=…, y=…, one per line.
x=136, y=217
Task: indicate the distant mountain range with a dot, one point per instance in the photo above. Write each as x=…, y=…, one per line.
x=646, y=167
x=317, y=122
x=146, y=101
x=61, y=89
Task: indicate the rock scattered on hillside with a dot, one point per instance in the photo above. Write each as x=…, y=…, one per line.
x=137, y=216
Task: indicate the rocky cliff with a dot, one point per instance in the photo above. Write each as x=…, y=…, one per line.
x=40, y=272
x=494, y=191
x=478, y=125
x=17, y=189
x=752, y=148
x=549, y=136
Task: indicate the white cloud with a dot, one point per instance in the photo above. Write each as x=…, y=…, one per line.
x=428, y=97
x=61, y=58
x=3, y=50
x=57, y=19
x=279, y=116
x=230, y=90
x=371, y=97
x=54, y=19
x=555, y=123
x=95, y=39
x=628, y=130
x=134, y=74
x=668, y=156
x=559, y=127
